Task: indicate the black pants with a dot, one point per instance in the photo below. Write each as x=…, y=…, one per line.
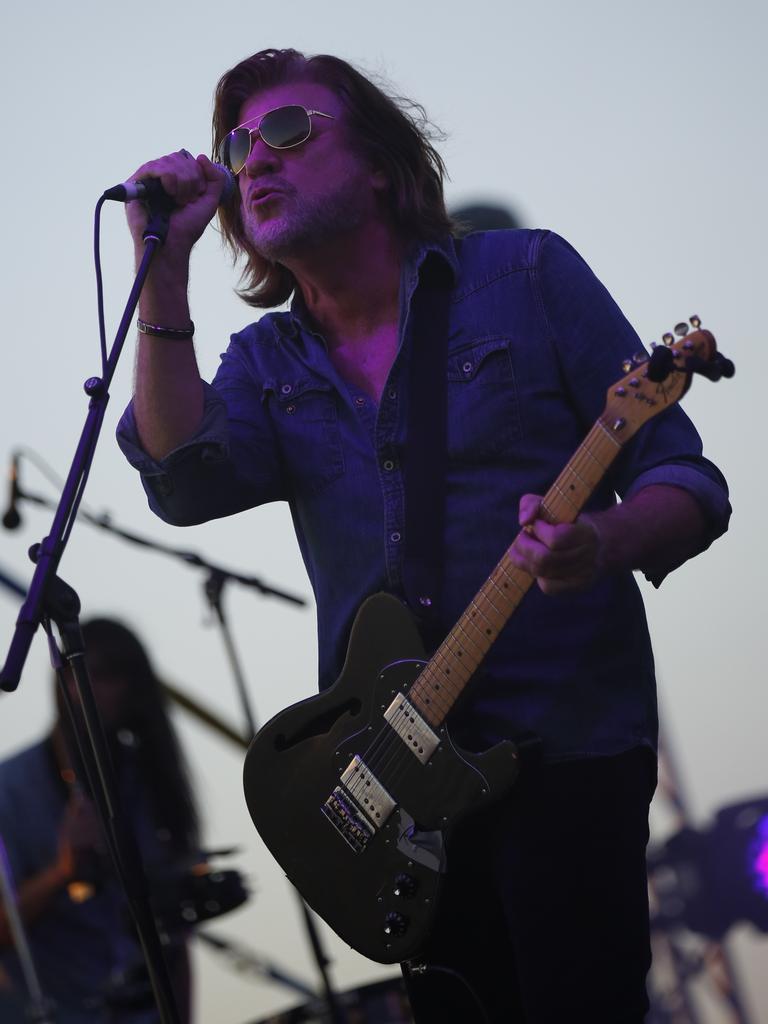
x=544, y=912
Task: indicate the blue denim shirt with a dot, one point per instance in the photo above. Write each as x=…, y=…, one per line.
x=534, y=343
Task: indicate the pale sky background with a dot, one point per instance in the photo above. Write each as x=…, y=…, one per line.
x=635, y=130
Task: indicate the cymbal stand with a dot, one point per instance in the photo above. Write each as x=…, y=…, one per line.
x=39, y=1009
x=213, y=589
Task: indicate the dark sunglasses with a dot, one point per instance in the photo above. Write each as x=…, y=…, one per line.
x=280, y=128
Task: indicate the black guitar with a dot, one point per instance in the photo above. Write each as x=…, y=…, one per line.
x=354, y=790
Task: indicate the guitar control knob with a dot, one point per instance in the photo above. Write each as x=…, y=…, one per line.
x=395, y=924
x=405, y=886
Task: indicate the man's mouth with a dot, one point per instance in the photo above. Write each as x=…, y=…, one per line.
x=265, y=194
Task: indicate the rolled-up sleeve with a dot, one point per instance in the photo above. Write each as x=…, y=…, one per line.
x=229, y=465
x=592, y=338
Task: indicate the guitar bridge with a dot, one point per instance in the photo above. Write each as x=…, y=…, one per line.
x=347, y=820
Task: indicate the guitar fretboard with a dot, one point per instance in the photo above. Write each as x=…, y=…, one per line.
x=444, y=677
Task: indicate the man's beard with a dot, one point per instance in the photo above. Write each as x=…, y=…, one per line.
x=305, y=223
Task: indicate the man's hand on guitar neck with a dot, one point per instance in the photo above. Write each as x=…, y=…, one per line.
x=561, y=556
x=655, y=530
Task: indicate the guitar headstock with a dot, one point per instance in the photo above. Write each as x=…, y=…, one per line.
x=652, y=384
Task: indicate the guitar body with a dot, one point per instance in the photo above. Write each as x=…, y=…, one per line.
x=363, y=840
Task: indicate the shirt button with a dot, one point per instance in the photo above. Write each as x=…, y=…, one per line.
x=359, y=401
x=392, y=394
x=394, y=537
x=290, y=409
x=287, y=389
x=467, y=367
x=388, y=465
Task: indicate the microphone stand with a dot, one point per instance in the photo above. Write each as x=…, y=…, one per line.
x=50, y=600
x=104, y=522
x=214, y=589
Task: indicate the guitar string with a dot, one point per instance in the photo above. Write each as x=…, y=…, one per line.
x=389, y=755
x=389, y=742
x=381, y=754
x=376, y=763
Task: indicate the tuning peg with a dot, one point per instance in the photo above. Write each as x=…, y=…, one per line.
x=681, y=329
x=667, y=338
x=695, y=321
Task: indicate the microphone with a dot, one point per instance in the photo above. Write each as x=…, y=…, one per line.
x=12, y=519
x=150, y=189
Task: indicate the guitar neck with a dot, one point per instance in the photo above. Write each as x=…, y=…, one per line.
x=454, y=663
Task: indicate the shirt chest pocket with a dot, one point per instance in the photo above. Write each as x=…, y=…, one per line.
x=304, y=414
x=483, y=407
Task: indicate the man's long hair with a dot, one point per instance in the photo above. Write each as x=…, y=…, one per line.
x=391, y=134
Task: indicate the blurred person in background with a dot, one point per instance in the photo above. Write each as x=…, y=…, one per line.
x=74, y=913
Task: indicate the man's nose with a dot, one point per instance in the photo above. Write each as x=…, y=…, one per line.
x=261, y=159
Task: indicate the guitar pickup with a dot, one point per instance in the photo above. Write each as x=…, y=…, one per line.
x=369, y=794
x=411, y=728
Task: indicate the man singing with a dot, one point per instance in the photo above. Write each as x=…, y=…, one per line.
x=340, y=209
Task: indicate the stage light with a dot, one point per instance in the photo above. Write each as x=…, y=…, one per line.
x=710, y=880
x=758, y=853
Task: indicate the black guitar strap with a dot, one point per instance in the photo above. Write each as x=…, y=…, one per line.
x=425, y=456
